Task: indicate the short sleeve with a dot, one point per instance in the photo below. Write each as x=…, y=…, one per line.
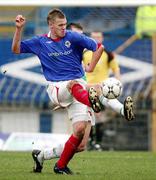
x=85, y=41
x=30, y=46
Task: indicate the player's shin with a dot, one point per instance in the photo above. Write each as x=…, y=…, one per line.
x=68, y=151
x=80, y=94
x=114, y=104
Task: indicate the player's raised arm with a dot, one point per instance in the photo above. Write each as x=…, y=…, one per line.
x=19, y=23
x=95, y=58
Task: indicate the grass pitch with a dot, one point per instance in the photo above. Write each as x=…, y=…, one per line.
x=86, y=166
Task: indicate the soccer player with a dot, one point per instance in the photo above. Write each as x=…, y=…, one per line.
x=55, y=152
x=60, y=53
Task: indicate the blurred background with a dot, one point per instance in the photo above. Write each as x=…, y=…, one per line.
x=25, y=108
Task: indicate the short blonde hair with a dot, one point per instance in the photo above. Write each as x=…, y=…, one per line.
x=54, y=13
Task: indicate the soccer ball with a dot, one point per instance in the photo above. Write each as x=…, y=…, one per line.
x=111, y=88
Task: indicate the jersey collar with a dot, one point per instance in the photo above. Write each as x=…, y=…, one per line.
x=49, y=36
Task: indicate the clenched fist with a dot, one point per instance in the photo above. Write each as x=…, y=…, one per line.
x=20, y=21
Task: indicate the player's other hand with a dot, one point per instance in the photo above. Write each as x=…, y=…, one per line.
x=20, y=21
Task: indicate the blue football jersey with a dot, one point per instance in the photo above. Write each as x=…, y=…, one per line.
x=61, y=60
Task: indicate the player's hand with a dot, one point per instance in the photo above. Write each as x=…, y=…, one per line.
x=87, y=68
x=81, y=148
x=20, y=21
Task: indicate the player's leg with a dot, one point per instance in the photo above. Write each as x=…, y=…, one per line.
x=89, y=98
x=40, y=155
x=70, y=148
x=59, y=96
x=37, y=154
x=125, y=109
x=79, y=115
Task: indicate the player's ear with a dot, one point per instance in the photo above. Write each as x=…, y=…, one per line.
x=51, y=25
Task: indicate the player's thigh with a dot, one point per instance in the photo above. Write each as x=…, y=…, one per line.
x=59, y=94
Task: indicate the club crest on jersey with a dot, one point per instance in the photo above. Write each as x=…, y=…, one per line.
x=67, y=44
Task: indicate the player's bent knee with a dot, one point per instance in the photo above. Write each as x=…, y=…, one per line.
x=71, y=84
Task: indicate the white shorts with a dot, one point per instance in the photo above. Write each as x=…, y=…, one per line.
x=60, y=96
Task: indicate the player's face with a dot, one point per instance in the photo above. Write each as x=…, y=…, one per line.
x=98, y=36
x=58, y=27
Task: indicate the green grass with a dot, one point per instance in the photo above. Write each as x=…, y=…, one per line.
x=86, y=165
